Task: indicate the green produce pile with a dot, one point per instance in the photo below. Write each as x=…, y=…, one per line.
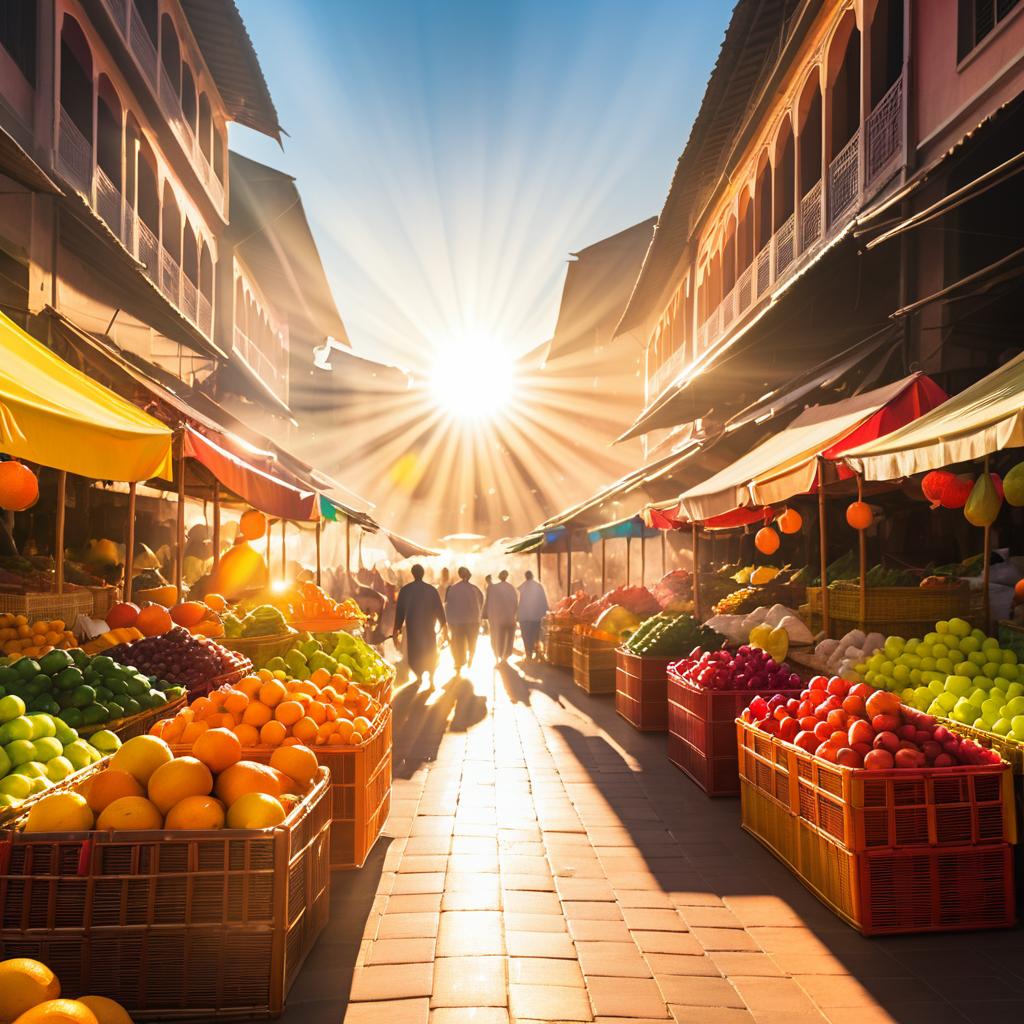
x=38, y=750
x=333, y=652
x=83, y=690
x=846, y=568
x=669, y=635
x=265, y=620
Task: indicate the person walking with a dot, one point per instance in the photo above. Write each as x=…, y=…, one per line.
x=500, y=612
x=463, y=605
x=419, y=613
x=533, y=606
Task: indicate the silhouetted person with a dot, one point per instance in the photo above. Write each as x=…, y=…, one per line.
x=463, y=605
x=533, y=606
x=419, y=612
x=500, y=612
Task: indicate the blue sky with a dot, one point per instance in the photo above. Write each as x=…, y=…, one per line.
x=451, y=153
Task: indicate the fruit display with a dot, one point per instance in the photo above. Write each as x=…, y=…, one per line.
x=638, y=600
x=674, y=591
x=669, y=634
x=773, y=640
x=838, y=657
x=39, y=750
x=30, y=993
x=270, y=710
x=956, y=672
x=747, y=668
x=738, y=628
x=571, y=606
x=339, y=652
x=307, y=602
x=264, y=620
x=18, y=635
x=112, y=638
x=738, y=601
x=180, y=658
x=857, y=726
x=83, y=690
x=144, y=786
x=617, y=621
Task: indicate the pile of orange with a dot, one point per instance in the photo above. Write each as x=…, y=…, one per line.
x=307, y=601
x=30, y=994
x=33, y=639
x=201, y=618
x=145, y=787
x=263, y=710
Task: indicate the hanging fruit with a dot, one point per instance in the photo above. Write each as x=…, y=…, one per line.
x=1013, y=486
x=983, y=503
x=998, y=484
x=790, y=521
x=252, y=525
x=956, y=492
x=19, y=488
x=934, y=485
x=859, y=515
x=766, y=540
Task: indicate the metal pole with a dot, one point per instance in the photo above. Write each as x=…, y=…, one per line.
x=348, y=549
x=179, y=558
x=696, y=571
x=863, y=543
x=216, y=524
x=629, y=547
x=643, y=559
x=823, y=546
x=604, y=566
x=664, y=550
x=986, y=570
x=568, y=567
x=538, y=567
x=129, y=548
x=319, y=573
x=62, y=492
x=284, y=550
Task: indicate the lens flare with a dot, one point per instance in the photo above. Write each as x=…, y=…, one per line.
x=473, y=381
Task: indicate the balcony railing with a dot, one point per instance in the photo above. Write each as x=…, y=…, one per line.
x=74, y=154
x=784, y=244
x=745, y=290
x=844, y=181
x=189, y=298
x=108, y=202
x=728, y=308
x=810, y=217
x=883, y=134
x=764, y=270
x=147, y=250
x=261, y=364
x=142, y=46
x=205, y=318
x=170, y=277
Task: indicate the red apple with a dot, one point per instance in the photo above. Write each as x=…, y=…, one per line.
x=861, y=732
x=861, y=690
x=849, y=757
x=878, y=760
x=823, y=731
x=806, y=741
x=885, y=723
x=882, y=702
x=838, y=686
x=853, y=705
x=788, y=729
x=887, y=741
x=907, y=732
x=818, y=683
x=808, y=722
x=837, y=718
x=943, y=761
x=907, y=758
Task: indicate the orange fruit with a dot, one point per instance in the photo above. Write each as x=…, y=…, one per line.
x=196, y=812
x=182, y=777
x=317, y=711
x=141, y=756
x=272, y=692
x=273, y=733
x=334, y=740
x=236, y=702
x=58, y=1011
x=344, y=729
x=257, y=714
x=25, y=983
x=245, y=777
x=286, y=782
x=218, y=749
x=188, y=613
x=304, y=730
x=110, y=785
x=130, y=813
x=264, y=674
x=202, y=707
x=291, y=741
x=215, y=602
x=255, y=810
x=173, y=729
x=250, y=686
x=159, y=728
x=248, y=735
x=299, y=763
x=362, y=725
x=307, y=687
x=288, y=712
x=192, y=732
x=154, y=620
x=222, y=720
x=106, y=1010
x=320, y=677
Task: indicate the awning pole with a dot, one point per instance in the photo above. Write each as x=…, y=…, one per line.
x=270, y=533
x=319, y=573
x=696, y=572
x=664, y=550
x=216, y=524
x=643, y=559
x=129, y=547
x=538, y=567
x=284, y=550
x=604, y=566
x=629, y=546
x=179, y=557
x=568, y=566
x=348, y=549
x=62, y=491
x=823, y=546
x=863, y=540
x=985, y=572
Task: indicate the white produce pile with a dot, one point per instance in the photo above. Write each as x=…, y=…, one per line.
x=841, y=655
x=736, y=628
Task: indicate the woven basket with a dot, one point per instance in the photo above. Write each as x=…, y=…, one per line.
x=890, y=607
x=260, y=649
x=66, y=607
x=135, y=725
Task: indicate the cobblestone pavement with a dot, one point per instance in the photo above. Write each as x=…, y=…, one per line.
x=544, y=862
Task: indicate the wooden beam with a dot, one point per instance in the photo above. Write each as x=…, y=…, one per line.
x=823, y=546
x=129, y=547
x=179, y=554
x=696, y=572
x=319, y=571
x=216, y=525
x=62, y=498
x=862, y=537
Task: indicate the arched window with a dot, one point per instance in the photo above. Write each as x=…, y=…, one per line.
x=148, y=206
x=76, y=77
x=886, y=35
x=218, y=154
x=206, y=271
x=108, y=131
x=148, y=16
x=745, y=233
x=809, y=131
x=844, y=85
x=190, y=255
x=762, y=206
x=729, y=257
x=239, y=305
x=188, y=98
x=170, y=224
x=783, y=175
x=170, y=53
x=205, y=127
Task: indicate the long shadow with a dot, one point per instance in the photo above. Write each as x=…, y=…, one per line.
x=693, y=844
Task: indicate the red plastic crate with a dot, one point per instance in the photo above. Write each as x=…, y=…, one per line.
x=643, y=715
x=964, y=805
x=640, y=691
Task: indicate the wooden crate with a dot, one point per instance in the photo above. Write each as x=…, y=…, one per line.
x=593, y=660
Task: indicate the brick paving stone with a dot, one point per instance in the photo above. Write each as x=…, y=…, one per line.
x=412, y=884
x=469, y=1015
x=391, y=1011
x=414, y=903
x=528, y=883
x=652, y=920
x=395, y=981
x=773, y=994
x=675, y=963
x=667, y=942
x=482, y=898
x=752, y=965
x=535, y=922
x=470, y=981
x=549, y=1003
x=710, y=917
x=710, y=1015
x=544, y=971
x=643, y=898
x=724, y=939
x=470, y=933
x=408, y=926
x=524, y=901
x=681, y=990
x=612, y=959
x=599, y=931
x=576, y=910
x=544, y=944
x=402, y=951
x=585, y=889
x=626, y=997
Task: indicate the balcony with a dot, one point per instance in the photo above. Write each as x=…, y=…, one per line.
x=844, y=182
x=883, y=135
x=142, y=48
x=74, y=160
x=273, y=372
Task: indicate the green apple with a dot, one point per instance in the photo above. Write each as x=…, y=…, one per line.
x=941, y=627
x=947, y=701
x=79, y=753
x=978, y=697
x=47, y=748
x=959, y=628
x=1008, y=657
x=18, y=786
x=1015, y=706
x=20, y=751
x=990, y=643
x=944, y=665
x=11, y=706
x=105, y=741
x=58, y=769
x=39, y=784
x=967, y=669
x=940, y=651
x=42, y=725
x=31, y=769
x=1002, y=727
x=19, y=728
x=958, y=685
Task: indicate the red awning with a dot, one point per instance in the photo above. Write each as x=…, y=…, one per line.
x=673, y=518
x=261, y=490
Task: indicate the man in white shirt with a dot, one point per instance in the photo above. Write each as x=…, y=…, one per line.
x=500, y=612
x=533, y=606
x=463, y=604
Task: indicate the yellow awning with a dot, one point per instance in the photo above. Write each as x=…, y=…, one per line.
x=52, y=414
x=785, y=464
x=986, y=418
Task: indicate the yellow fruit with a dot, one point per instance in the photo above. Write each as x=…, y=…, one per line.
x=255, y=810
x=195, y=812
x=60, y=812
x=141, y=756
x=110, y=785
x=25, y=983
x=58, y=1011
x=177, y=779
x=298, y=762
x=106, y=1011
x=245, y=777
x=130, y=813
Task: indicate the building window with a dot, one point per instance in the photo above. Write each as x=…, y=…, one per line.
x=976, y=21
x=18, y=35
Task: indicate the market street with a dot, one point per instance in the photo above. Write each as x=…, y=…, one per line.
x=544, y=861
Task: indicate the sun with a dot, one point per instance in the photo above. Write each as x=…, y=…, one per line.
x=473, y=380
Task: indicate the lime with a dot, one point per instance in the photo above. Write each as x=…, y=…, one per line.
x=83, y=696
x=69, y=678
x=42, y=725
x=26, y=668
x=71, y=717
x=47, y=748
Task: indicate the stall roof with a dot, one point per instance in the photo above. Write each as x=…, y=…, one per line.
x=408, y=548
x=785, y=464
x=630, y=528
x=983, y=419
x=331, y=509
x=58, y=417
